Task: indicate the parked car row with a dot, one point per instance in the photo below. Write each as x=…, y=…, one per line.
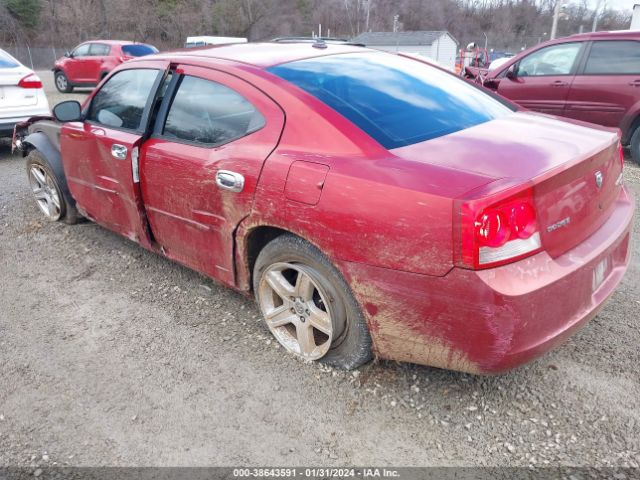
x=372, y=203
x=22, y=95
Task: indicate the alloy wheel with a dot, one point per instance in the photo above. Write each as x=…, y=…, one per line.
x=45, y=192
x=61, y=82
x=296, y=310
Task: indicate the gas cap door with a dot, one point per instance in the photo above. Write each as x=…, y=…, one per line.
x=305, y=182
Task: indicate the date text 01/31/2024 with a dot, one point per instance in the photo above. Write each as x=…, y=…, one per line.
x=315, y=473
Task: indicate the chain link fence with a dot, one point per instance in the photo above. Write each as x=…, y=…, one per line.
x=36, y=58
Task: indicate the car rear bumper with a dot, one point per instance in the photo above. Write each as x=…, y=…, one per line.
x=492, y=320
x=7, y=123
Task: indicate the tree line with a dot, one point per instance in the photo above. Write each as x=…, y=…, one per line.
x=510, y=24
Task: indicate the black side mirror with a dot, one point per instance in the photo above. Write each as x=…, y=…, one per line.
x=511, y=72
x=68, y=54
x=68, y=111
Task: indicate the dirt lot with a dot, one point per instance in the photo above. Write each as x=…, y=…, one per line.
x=111, y=355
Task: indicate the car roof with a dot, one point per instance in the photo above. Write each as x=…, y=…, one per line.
x=606, y=34
x=114, y=42
x=262, y=55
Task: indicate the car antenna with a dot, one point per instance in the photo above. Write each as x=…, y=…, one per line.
x=319, y=43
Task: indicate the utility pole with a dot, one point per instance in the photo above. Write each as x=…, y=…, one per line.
x=395, y=23
x=368, y=13
x=595, y=17
x=556, y=14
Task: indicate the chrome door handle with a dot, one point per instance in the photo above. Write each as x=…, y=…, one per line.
x=118, y=151
x=228, y=180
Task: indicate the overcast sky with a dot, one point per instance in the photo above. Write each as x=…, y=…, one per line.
x=617, y=4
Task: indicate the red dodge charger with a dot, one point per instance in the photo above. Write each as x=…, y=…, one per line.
x=373, y=204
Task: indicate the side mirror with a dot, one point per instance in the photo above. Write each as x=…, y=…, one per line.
x=68, y=54
x=68, y=111
x=511, y=72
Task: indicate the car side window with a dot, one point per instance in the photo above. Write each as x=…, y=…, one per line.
x=209, y=113
x=548, y=61
x=121, y=101
x=81, y=51
x=98, y=50
x=614, y=58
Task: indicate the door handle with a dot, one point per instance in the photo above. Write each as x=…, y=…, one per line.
x=228, y=180
x=635, y=83
x=559, y=83
x=118, y=151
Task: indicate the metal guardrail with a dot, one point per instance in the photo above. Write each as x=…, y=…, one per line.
x=36, y=58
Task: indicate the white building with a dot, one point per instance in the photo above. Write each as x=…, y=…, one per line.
x=437, y=45
x=635, y=19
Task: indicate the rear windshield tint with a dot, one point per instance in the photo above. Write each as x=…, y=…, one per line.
x=396, y=100
x=7, y=61
x=138, y=50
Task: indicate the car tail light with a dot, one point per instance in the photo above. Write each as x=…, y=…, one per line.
x=497, y=231
x=30, y=81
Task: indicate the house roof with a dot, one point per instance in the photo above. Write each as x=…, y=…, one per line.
x=400, y=38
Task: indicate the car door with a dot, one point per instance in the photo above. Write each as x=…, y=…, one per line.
x=100, y=153
x=608, y=83
x=199, y=170
x=76, y=68
x=542, y=79
x=98, y=52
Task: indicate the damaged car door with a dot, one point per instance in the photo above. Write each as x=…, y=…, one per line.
x=200, y=168
x=101, y=151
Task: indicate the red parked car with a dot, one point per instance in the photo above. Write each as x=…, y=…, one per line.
x=88, y=63
x=372, y=203
x=593, y=77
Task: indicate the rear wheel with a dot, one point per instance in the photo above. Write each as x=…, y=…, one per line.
x=308, y=306
x=47, y=193
x=62, y=83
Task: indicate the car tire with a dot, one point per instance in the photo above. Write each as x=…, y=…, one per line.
x=634, y=145
x=62, y=82
x=343, y=338
x=50, y=198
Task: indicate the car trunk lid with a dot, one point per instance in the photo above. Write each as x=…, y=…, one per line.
x=573, y=168
x=11, y=95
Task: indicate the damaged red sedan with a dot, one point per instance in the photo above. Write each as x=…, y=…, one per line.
x=373, y=204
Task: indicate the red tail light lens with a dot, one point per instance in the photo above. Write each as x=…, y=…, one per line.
x=523, y=220
x=498, y=231
x=30, y=81
x=492, y=228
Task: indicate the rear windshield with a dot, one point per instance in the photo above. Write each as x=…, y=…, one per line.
x=396, y=100
x=138, y=50
x=7, y=61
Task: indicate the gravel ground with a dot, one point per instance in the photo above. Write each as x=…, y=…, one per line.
x=111, y=355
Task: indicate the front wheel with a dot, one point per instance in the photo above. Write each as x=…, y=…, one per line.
x=50, y=199
x=62, y=83
x=308, y=306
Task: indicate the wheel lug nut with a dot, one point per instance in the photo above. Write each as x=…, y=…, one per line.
x=302, y=319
